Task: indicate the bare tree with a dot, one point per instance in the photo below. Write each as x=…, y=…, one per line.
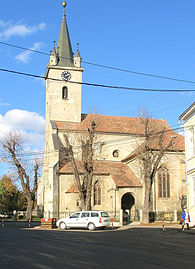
x=84, y=182
x=12, y=152
x=157, y=140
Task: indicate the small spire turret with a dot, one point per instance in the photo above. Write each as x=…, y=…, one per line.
x=77, y=57
x=54, y=49
x=53, y=59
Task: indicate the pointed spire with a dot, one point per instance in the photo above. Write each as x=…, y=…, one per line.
x=64, y=48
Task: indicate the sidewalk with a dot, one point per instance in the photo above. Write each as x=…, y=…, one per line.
x=157, y=225
x=116, y=226
x=19, y=224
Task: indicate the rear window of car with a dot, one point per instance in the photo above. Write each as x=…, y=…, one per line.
x=104, y=215
x=94, y=214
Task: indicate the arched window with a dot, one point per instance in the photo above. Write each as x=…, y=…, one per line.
x=97, y=193
x=115, y=153
x=163, y=183
x=64, y=92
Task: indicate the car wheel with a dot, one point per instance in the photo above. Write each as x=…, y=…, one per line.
x=62, y=225
x=91, y=226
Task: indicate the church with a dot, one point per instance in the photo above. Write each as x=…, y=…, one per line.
x=118, y=182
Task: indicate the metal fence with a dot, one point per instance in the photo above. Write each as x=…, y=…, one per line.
x=18, y=216
x=169, y=216
x=115, y=215
x=127, y=216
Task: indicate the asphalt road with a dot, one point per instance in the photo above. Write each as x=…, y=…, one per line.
x=132, y=248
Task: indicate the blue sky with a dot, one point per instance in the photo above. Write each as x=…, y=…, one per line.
x=156, y=37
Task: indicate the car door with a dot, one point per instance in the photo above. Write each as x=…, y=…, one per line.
x=84, y=219
x=73, y=220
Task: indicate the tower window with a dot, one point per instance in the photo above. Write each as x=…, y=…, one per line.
x=64, y=92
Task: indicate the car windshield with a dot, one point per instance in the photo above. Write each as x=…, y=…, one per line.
x=104, y=214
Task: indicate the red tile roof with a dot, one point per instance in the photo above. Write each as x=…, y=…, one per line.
x=99, y=168
x=177, y=145
x=121, y=174
x=73, y=188
x=125, y=125
x=112, y=124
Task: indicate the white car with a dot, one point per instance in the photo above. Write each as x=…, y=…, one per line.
x=85, y=219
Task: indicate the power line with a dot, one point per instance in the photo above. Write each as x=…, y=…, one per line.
x=105, y=66
x=106, y=142
x=23, y=48
x=140, y=73
x=97, y=85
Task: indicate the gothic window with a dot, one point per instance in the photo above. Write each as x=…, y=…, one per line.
x=97, y=193
x=64, y=92
x=163, y=183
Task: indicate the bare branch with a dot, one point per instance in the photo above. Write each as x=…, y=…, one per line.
x=12, y=147
x=75, y=169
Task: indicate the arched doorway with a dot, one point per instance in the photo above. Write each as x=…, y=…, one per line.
x=127, y=204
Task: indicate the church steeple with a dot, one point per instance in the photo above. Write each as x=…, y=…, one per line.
x=64, y=48
x=63, y=98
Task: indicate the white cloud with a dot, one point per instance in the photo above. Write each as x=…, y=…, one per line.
x=25, y=120
x=19, y=29
x=30, y=124
x=25, y=56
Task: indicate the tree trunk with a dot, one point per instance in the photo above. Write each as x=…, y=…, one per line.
x=83, y=204
x=146, y=207
x=30, y=206
x=89, y=191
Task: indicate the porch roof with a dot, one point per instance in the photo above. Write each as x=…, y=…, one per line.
x=120, y=173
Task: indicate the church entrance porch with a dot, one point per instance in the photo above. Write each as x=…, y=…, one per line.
x=128, y=207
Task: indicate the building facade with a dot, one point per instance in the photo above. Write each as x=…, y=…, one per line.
x=188, y=118
x=117, y=172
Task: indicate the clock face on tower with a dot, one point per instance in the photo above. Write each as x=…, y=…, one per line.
x=66, y=75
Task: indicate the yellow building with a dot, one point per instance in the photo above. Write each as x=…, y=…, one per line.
x=188, y=117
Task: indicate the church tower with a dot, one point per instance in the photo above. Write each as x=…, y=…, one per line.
x=63, y=80
x=63, y=103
